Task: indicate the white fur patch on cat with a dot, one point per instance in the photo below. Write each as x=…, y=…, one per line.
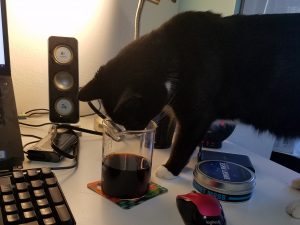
x=293, y=209
x=168, y=86
x=164, y=173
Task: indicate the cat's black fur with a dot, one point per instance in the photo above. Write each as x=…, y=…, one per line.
x=236, y=67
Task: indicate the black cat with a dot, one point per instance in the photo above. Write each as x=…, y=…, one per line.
x=206, y=67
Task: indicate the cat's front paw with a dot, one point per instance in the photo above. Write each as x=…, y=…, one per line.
x=164, y=173
x=293, y=209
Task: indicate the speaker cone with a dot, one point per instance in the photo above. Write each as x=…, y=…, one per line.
x=63, y=80
x=63, y=106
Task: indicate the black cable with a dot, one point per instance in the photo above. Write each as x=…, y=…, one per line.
x=37, y=113
x=34, y=110
x=94, y=108
x=91, y=114
x=76, y=161
x=29, y=143
x=67, y=126
x=31, y=135
x=35, y=125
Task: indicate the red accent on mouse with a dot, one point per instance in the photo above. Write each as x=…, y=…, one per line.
x=200, y=209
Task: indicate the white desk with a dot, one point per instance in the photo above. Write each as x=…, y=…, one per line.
x=266, y=207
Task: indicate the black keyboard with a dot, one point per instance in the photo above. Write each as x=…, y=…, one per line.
x=33, y=197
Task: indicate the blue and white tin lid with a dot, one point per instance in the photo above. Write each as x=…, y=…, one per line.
x=226, y=181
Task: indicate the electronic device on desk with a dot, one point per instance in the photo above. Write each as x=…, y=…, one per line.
x=11, y=153
x=200, y=209
x=28, y=197
x=33, y=197
x=58, y=143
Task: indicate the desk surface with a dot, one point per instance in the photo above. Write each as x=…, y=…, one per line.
x=267, y=205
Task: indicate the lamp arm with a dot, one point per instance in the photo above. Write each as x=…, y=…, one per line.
x=138, y=13
x=137, y=20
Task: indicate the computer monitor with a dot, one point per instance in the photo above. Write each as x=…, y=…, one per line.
x=11, y=150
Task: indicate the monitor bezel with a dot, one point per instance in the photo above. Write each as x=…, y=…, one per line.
x=5, y=70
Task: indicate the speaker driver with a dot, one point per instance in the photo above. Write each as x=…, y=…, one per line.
x=63, y=54
x=63, y=80
x=64, y=106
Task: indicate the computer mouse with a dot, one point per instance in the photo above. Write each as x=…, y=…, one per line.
x=200, y=209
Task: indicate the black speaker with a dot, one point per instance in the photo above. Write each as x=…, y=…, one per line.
x=63, y=79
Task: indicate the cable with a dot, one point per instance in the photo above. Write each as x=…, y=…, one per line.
x=29, y=143
x=91, y=114
x=35, y=125
x=67, y=126
x=34, y=110
x=37, y=113
x=94, y=108
x=30, y=135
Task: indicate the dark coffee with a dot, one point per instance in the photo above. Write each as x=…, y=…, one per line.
x=125, y=175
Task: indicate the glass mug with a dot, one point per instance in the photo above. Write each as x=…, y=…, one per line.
x=126, y=160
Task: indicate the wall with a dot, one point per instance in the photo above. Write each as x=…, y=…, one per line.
x=101, y=27
x=224, y=7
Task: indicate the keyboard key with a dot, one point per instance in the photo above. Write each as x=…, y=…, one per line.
x=42, y=202
x=12, y=218
x=46, y=212
x=63, y=213
x=56, y=195
x=26, y=205
x=8, y=198
x=18, y=175
x=36, y=183
x=29, y=214
x=6, y=188
x=22, y=186
x=10, y=208
x=5, y=180
x=46, y=171
x=49, y=221
x=39, y=193
x=32, y=174
x=24, y=195
x=51, y=181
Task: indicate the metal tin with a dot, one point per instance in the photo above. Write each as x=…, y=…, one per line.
x=226, y=181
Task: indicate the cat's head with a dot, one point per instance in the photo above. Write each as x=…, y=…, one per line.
x=131, y=86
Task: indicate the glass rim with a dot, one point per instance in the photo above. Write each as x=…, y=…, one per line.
x=152, y=125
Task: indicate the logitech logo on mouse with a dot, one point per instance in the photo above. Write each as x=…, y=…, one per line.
x=213, y=222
